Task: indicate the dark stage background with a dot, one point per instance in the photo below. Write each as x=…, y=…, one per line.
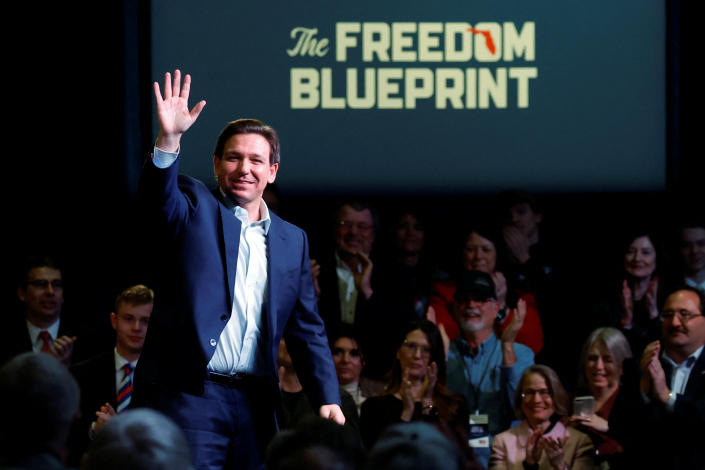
x=78, y=106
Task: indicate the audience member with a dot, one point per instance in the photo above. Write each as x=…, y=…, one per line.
x=40, y=400
x=483, y=367
x=348, y=287
x=405, y=269
x=40, y=327
x=634, y=306
x=315, y=444
x=140, y=439
x=530, y=260
x=692, y=254
x=349, y=360
x=106, y=379
x=608, y=373
x=673, y=381
x=480, y=254
x=295, y=405
x=541, y=440
x=417, y=391
x=415, y=445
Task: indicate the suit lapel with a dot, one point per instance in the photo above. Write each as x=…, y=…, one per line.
x=276, y=253
x=696, y=378
x=230, y=234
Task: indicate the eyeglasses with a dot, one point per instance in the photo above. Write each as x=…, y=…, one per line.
x=43, y=283
x=360, y=226
x=683, y=315
x=532, y=393
x=413, y=347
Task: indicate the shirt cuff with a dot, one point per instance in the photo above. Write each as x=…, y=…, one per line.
x=164, y=159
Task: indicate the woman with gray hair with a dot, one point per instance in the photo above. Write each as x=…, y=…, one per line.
x=608, y=374
x=541, y=441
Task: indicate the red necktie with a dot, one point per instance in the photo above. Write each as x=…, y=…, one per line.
x=46, y=341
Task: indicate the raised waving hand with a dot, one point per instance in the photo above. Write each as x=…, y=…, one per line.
x=173, y=113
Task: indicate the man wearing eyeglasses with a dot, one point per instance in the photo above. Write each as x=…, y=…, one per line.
x=673, y=381
x=482, y=366
x=40, y=328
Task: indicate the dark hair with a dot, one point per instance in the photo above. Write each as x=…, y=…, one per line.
x=34, y=261
x=135, y=295
x=511, y=197
x=446, y=402
x=344, y=330
x=555, y=388
x=139, y=439
x=249, y=126
x=358, y=205
x=638, y=232
x=698, y=293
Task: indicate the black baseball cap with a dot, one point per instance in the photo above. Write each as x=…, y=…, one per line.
x=475, y=284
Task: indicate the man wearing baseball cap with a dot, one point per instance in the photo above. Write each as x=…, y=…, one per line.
x=482, y=366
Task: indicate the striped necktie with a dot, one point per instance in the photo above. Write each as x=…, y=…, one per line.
x=125, y=392
x=46, y=341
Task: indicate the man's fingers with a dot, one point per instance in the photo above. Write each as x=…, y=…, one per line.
x=176, y=87
x=157, y=93
x=197, y=109
x=167, y=86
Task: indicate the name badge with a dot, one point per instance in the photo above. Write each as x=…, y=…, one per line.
x=479, y=431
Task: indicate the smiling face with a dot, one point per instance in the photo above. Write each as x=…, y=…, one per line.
x=244, y=170
x=43, y=296
x=537, y=402
x=476, y=315
x=355, y=230
x=479, y=254
x=414, y=354
x=640, y=258
x=130, y=324
x=600, y=370
x=683, y=336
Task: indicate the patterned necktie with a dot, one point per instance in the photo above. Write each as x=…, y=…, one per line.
x=46, y=341
x=125, y=392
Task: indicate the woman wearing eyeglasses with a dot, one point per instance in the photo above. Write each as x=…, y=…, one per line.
x=541, y=441
x=416, y=391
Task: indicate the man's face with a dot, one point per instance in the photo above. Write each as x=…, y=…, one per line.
x=683, y=335
x=348, y=360
x=244, y=170
x=130, y=324
x=693, y=249
x=44, y=295
x=475, y=314
x=523, y=217
x=354, y=230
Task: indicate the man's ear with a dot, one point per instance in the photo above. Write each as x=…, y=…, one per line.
x=21, y=294
x=113, y=319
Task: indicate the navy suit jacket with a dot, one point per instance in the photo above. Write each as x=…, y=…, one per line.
x=194, y=297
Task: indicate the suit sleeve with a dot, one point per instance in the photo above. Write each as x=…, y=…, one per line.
x=307, y=341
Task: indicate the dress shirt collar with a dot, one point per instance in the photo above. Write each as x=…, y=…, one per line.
x=121, y=361
x=34, y=330
x=243, y=215
x=465, y=350
x=692, y=359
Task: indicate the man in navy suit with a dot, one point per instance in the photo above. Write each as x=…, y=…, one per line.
x=673, y=380
x=236, y=279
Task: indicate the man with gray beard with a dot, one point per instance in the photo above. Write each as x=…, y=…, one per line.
x=483, y=367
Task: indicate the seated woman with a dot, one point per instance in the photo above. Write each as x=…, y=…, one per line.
x=417, y=392
x=541, y=440
x=480, y=253
x=608, y=373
